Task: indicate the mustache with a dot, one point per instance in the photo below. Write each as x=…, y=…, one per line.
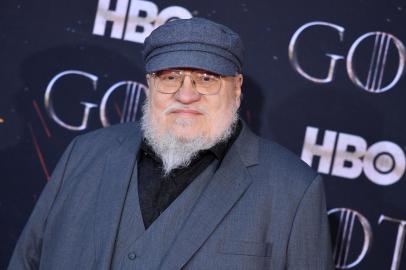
x=175, y=107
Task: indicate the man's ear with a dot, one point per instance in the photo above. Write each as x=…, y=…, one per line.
x=240, y=79
x=148, y=79
x=238, y=88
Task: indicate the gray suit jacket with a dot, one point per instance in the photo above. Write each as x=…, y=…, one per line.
x=263, y=209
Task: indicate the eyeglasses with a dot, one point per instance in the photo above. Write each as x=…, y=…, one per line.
x=171, y=80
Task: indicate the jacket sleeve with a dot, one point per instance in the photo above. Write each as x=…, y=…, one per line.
x=27, y=252
x=309, y=246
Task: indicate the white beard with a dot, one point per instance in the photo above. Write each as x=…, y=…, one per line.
x=176, y=152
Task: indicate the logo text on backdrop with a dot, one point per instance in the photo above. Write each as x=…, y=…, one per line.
x=133, y=20
x=348, y=251
x=346, y=155
x=128, y=110
x=373, y=80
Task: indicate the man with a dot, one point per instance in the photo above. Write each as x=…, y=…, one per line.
x=190, y=188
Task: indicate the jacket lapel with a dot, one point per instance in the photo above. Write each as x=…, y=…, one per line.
x=112, y=193
x=228, y=184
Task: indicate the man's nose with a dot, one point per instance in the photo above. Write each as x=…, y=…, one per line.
x=187, y=92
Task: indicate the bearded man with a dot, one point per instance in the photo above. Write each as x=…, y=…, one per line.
x=191, y=187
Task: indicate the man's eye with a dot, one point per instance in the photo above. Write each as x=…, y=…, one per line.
x=169, y=77
x=207, y=78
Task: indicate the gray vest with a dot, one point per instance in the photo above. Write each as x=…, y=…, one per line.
x=137, y=248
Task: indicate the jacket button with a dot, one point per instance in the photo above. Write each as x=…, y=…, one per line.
x=132, y=256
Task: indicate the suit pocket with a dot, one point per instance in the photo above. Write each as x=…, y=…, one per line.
x=248, y=248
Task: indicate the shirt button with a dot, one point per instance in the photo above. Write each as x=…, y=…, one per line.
x=132, y=256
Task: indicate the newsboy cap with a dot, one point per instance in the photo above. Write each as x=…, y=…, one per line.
x=194, y=43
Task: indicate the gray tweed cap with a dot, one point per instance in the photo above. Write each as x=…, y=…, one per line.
x=194, y=43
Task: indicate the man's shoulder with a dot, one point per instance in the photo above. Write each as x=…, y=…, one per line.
x=280, y=164
x=91, y=148
x=282, y=156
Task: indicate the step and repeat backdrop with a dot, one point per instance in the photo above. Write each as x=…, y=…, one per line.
x=323, y=78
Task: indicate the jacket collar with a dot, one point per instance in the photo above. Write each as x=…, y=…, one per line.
x=229, y=183
x=120, y=161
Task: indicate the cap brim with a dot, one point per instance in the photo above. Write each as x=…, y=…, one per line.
x=191, y=59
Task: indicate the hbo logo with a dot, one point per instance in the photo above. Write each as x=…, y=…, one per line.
x=346, y=155
x=134, y=20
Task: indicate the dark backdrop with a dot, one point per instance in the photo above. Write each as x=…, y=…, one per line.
x=323, y=78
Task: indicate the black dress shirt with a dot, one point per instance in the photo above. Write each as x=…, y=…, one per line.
x=156, y=192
